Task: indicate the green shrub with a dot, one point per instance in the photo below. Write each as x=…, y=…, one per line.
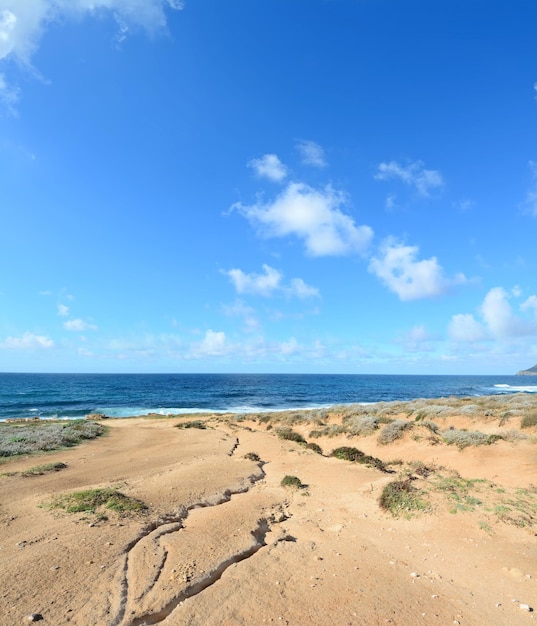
x=292, y=482
x=252, y=456
x=400, y=497
x=92, y=499
x=354, y=455
x=346, y=453
x=290, y=435
x=39, y=470
x=315, y=447
x=192, y=424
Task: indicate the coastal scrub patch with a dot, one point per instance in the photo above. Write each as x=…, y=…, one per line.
x=192, y=424
x=329, y=431
x=393, y=431
x=315, y=447
x=42, y=436
x=346, y=453
x=289, y=435
x=91, y=500
x=529, y=420
x=252, y=456
x=464, y=438
x=360, y=425
x=292, y=482
x=46, y=468
x=400, y=497
x=459, y=490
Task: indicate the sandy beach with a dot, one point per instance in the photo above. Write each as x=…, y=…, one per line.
x=220, y=540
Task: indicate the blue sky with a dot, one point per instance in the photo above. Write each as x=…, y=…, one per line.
x=343, y=186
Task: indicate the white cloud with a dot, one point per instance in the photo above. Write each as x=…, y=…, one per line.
x=248, y=315
x=269, y=166
x=530, y=304
x=413, y=174
x=78, y=325
x=465, y=328
x=213, y=344
x=311, y=153
x=417, y=334
x=411, y=279
x=301, y=290
x=28, y=341
x=390, y=201
x=23, y=22
x=9, y=95
x=261, y=284
x=63, y=310
x=313, y=215
x=500, y=318
x=289, y=347
x=268, y=283
x=417, y=339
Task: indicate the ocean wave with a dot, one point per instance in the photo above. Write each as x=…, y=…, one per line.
x=517, y=388
x=245, y=409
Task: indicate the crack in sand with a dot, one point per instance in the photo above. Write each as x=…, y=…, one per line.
x=154, y=531
x=235, y=446
x=214, y=576
x=176, y=521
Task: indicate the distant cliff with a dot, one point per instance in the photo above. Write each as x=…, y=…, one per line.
x=532, y=371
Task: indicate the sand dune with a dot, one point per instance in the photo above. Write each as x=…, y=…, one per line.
x=222, y=542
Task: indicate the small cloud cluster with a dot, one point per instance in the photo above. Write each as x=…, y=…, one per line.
x=319, y=217
x=313, y=215
x=311, y=153
x=269, y=166
x=76, y=324
x=268, y=283
x=498, y=318
x=413, y=174
x=28, y=341
x=399, y=269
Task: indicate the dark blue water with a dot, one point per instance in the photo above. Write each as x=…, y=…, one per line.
x=75, y=395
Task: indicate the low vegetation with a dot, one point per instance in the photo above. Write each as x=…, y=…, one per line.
x=292, y=482
x=252, y=456
x=94, y=500
x=44, y=435
x=315, y=447
x=46, y=468
x=464, y=438
x=290, y=435
x=426, y=416
x=400, y=497
x=346, y=453
x=392, y=431
x=421, y=488
x=192, y=424
x=529, y=420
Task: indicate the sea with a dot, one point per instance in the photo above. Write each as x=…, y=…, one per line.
x=73, y=396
